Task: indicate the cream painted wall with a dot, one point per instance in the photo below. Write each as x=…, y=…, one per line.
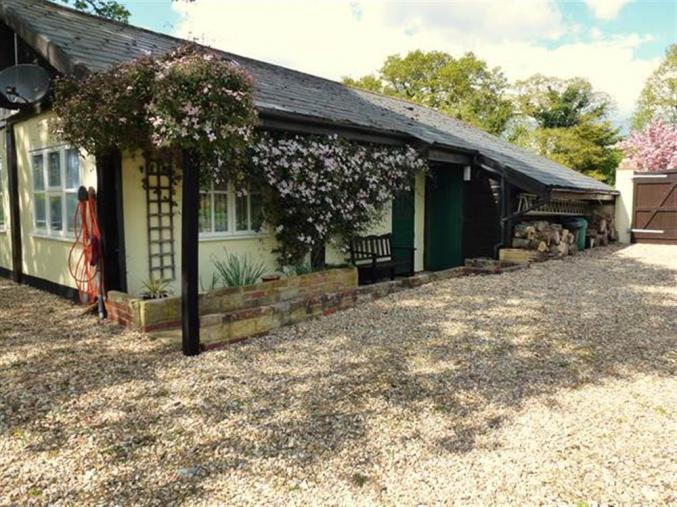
x=47, y=257
x=43, y=257
x=5, y=241
x=625, y=186
x=419, y=221
x=259, y=247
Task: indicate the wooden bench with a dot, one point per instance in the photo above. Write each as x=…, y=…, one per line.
x=371, y=254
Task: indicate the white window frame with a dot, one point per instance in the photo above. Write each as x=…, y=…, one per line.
x=54, y=191
x=231, y=232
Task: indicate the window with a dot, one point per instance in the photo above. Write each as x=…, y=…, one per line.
x=56, y=178
x=225, y=212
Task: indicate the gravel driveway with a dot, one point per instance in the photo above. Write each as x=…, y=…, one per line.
x=550, y=385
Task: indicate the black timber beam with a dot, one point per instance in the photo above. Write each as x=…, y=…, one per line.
x=514, y=177
x=190, y=207
x=14, y=204
x=448, y=157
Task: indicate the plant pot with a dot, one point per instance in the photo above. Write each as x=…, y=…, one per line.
x=270, y=278
x=147, y=297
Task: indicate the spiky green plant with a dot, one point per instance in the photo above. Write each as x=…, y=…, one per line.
x=156, y=288
x=236, y=271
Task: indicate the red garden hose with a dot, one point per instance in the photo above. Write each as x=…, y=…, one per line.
x=84, y=258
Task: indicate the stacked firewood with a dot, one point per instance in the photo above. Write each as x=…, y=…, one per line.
x=601, y=229
x=548, y=239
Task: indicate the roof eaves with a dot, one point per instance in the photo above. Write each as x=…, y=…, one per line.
x=49, y=50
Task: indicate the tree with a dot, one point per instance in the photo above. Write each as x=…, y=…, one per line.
x=654, y=148
x=465, y=88
x=567, y=120
x=658, y=99
x=110, y=9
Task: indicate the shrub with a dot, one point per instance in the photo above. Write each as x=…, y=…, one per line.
x=235, y=271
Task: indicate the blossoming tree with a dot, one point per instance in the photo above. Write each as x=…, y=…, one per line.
x=654, y=148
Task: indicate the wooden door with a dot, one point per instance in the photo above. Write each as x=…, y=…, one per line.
x=655, y=208
x=444, y=218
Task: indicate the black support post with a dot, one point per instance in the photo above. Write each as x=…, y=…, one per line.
x=190, y=201
x=14, y=205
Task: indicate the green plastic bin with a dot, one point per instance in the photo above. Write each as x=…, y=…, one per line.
x=579, y=225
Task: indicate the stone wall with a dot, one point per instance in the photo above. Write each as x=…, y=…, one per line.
x=151, y=315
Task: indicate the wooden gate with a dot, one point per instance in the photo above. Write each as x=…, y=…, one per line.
x=655, y=208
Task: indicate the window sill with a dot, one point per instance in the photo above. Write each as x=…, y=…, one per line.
x=232, y=237
x=53, y=237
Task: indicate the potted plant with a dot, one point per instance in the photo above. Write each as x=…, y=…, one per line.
x=155, y=289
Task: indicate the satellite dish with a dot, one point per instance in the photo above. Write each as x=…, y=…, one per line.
x=24, y=84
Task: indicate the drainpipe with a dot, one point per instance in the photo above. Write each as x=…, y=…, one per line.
x=504, y=217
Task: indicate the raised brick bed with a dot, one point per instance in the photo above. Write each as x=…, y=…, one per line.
x=257, y=310
x=155, y=314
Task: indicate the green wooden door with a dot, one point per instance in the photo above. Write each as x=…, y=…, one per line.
x=444, y=218
x=403, y=228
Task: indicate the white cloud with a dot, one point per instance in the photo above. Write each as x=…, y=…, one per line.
x=333, y=39
x=606, y=9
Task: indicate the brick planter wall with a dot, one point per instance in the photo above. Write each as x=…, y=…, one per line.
x=155, y=314
x=233, y=314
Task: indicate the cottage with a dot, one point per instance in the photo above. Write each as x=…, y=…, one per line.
x=464, y=207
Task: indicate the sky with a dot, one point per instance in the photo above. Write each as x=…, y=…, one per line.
x=615, y=44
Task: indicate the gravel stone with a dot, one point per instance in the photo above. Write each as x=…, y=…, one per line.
x=552, y=385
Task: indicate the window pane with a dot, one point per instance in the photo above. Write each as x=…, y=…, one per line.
x=256, y=211
x=55, y=213
x=2, y=213
x=221, y=186
x=38, y=173
x=205, y=213
x=241, y=212
x=54, y=170
x=71, y=206
x=220, y=212
x=72, y=169
x=40, y=211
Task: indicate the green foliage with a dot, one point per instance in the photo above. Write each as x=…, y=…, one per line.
x=658, y=100
x=235, y=271
x=560, y=103
x=155, y=288
x=213, y=283
x=107, y=109
x=302, y=268
x=465, y=88
x=567, y=121
x=189, y=98
x=109, y=9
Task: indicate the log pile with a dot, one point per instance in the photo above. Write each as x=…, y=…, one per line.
x=548, y=239
x=601, y=229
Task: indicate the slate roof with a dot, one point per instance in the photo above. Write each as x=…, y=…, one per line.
x=95, y=44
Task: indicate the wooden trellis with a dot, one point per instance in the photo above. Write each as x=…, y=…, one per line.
x=159, y=181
